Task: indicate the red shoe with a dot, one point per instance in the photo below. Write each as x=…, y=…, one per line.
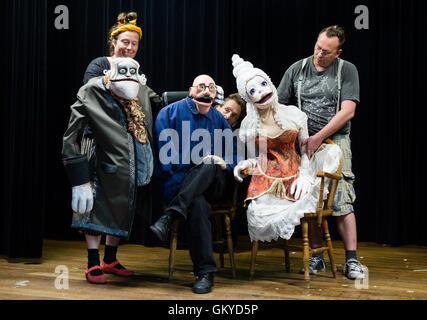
x=110, y=268
x=95, y=279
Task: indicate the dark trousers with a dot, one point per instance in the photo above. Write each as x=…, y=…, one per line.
x=204, y=183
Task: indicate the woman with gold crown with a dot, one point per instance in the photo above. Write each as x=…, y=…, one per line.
x=123, y=39
x=283, y=183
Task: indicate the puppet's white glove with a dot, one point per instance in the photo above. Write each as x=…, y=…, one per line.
x=142, y=79
x=215, y=160
x=219, y=98
x=82, y=198
x=300, y=187
x=241, y=166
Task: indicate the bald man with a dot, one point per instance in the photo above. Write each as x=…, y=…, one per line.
x=190, y=174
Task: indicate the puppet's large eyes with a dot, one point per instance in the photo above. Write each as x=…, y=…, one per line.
x=252, y=91
x=264, y=83
x=132, y=70
x=122, y=70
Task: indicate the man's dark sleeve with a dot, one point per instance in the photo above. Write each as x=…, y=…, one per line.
x=350, y=83
x=285, y=90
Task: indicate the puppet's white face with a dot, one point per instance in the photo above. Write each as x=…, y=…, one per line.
x=260, y=92
x=124, y=83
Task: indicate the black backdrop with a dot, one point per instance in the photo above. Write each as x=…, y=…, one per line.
x=43, y=70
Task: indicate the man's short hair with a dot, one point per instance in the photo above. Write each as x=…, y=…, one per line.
x=335, y=31
x=239, y=100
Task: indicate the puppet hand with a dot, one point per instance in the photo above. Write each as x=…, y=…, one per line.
x=142, y=79
x=215, y=160
x=240, y=167
x=82, y=198
x=300, y=187
x=219, y=98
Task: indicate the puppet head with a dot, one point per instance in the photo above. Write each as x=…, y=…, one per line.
x=253, y=84
x=203, y=92
x=256, y=88
x=123, y=78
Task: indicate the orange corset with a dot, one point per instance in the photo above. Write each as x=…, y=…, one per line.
x=276, y=169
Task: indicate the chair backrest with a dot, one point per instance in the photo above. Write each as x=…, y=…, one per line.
x=324, y=206
x=334, y=183
x=172, y=96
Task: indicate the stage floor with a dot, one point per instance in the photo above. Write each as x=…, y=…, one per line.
x=395, y=273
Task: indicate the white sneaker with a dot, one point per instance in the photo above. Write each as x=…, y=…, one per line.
x=315, y=264
x=353, y=269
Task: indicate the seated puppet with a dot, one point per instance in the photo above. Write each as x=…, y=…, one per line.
x=283, y=182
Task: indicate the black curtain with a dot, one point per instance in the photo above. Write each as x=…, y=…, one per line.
x=44, y=68
x=24, y=123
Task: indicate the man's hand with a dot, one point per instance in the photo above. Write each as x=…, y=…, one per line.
x=346, y=113
x=82, y=198
x=313, y=143
x=241, y=166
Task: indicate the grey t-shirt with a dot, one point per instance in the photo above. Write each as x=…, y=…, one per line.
x=319, y=91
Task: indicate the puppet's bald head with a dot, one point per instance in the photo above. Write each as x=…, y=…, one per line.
x=203, y=92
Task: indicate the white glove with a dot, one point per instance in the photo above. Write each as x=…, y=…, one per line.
x=242, y=165
x=219, y=98
x=216, y=160
x=300, y=187
x=82, y=198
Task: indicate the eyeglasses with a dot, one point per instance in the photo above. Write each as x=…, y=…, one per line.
x=202, y=87
x=323, y=52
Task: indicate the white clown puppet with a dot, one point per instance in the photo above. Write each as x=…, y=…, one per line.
x=124, y=158
x=283, y=180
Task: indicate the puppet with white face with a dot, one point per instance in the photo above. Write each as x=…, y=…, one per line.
x=283, y=184
x=105, y=200
x=123, y=78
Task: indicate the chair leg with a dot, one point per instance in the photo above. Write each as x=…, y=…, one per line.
x=255, y=245
x=173, y=242
x=230, y=244
x=219, y=240
x=287, y=264
x=330, y=249
x=306, y=248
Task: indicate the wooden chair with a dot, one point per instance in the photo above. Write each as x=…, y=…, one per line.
x=324, y=210
x=226, y=210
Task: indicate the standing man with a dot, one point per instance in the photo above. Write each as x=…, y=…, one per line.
x=188, y=179
x=326, y=88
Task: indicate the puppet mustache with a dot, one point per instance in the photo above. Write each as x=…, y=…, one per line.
x=205, y=99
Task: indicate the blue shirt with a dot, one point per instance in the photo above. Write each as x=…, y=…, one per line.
x=182, y=137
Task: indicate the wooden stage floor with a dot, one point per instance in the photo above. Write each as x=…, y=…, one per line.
x=395, y=273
